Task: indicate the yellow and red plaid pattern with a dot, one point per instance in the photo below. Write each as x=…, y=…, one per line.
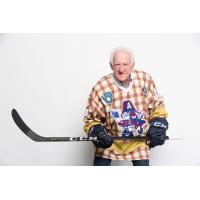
x=140, y=153
x=143, y=95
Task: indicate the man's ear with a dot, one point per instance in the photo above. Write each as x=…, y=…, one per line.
x=111, y=65
x=133, y=65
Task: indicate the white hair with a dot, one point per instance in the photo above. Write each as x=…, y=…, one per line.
x=123, y=49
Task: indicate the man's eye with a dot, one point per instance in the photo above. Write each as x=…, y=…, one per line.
x=122, y=64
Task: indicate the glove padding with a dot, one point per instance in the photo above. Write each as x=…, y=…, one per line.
x=103, y=139
x=157, y=131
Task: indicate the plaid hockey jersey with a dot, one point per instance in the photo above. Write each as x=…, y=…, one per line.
x=124, y=111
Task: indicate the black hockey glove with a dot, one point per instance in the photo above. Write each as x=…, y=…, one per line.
x=103, y=139
x=157, y=131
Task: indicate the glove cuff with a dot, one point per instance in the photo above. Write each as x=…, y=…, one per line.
x=94, y=130
x=159, y=122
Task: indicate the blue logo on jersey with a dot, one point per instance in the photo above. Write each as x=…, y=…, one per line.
x=130, y=120
x=107, y=97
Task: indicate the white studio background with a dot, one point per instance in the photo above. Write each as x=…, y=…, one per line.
x=48, y=77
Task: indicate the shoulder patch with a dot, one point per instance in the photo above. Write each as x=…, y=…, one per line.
x=144, y=91
x=107, y=97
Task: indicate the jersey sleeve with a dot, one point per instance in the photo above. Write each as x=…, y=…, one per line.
x=156, y=105
x=95, y=111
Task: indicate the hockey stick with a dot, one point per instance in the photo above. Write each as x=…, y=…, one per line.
x=37, y=138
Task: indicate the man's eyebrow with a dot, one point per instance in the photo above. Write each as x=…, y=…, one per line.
x=120, y=63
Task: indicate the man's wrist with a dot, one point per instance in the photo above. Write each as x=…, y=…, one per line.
x=159, y=122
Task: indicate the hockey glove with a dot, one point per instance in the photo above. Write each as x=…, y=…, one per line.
x=103, y=139
x=157, y=131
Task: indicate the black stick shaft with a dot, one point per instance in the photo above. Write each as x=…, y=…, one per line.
x=39, y=138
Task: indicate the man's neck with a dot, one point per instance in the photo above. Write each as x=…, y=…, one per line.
x=124, y=84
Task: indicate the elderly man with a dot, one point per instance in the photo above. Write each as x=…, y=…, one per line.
x=125, y=103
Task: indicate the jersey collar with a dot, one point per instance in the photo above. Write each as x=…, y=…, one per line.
x=122, y=85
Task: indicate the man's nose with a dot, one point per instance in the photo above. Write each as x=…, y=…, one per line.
x=121, y=68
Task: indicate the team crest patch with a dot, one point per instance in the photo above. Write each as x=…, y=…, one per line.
x=130, y=120
x=107, y=97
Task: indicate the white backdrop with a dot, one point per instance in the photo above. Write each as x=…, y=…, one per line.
x=48, y=77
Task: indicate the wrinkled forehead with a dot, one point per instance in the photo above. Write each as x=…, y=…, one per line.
x=122, y=56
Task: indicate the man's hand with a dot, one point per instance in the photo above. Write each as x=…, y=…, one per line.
x=103, y=139
x=157, y=131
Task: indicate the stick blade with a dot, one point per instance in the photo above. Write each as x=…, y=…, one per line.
x=31, y=134
x=24, y=128
x=19, y=122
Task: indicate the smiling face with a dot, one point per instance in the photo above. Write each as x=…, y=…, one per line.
x=122, y=66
